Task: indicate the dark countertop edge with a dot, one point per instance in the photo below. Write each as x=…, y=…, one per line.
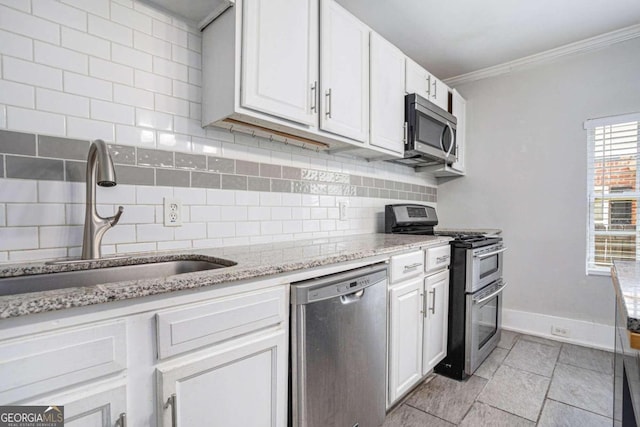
x=54, y=300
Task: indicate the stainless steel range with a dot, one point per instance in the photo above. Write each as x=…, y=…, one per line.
x=475, y=288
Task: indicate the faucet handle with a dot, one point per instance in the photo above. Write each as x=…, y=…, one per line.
x=114, y=219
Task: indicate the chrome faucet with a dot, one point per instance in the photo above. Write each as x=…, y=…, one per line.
x=99, y=168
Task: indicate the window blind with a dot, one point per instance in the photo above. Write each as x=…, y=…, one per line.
x=613, y=185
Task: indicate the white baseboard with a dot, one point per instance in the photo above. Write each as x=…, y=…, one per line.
x=580, y=332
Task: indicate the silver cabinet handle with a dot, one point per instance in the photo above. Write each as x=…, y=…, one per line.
x=328, y=103
x=405, y=131
x=428, y=85
x=314, y=101
x=442, y=259
x=122, y=420
x=412, y=266
x=171, y=401
x=435, y=88
x=433, y=301
x=423, y=308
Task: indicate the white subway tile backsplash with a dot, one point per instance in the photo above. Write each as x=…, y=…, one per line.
x=15, y=238
x=235, y=241
x=195, y=77
x=195, y=111
x=174, y=142
x=186, y=91
x=153, y=119
x=152, y=82
x=18, y=191
x=30, y=73
x=138, y=214
x=169, y=104
x=96, y=7
x=271, y=227
x=35, y=121
x=39, y=254
x=255, y=213
x=87, y=86
x=205, y=213
x=61, y=236
x=120, y=234
x=247, y=228
x=207, y=243
x=215, y=230
x=130, y=18
x=110, y=30
x=15, y=45
x=22, y=5
x=270, y=199
x=153, y=232
x=194, y=42
x=193, y=196
x=327, y=225
x=170, y=69
x=130, y=135
x=132, y=96
x=152, y=195
x=151, y=45
x=119, y=195
x=233, y=213
x=17, y=94
x=311, y=225
x=61, y=14
x=107, y=70
x=170, y=33
x=60, y=57
x=206, y=146
x=191, y=231
x=61, y=191
x=318, y=213
x=300, y=213
x=247, y=198
x=110, y=112
x=86, y=43
x=132, y=57
x=90, y=129
x=136, y=247
x=294, y=226
x=151, y=12
x=3, y=116
x=281, y=212
x=186, y=57
x=221, y=197
x=174, y=245
x=3, y=215
x=28, y=25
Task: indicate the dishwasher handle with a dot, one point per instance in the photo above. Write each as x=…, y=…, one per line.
x=351, y=298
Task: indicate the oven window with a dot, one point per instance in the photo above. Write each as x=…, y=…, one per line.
x=488, y=266
x=486, y=324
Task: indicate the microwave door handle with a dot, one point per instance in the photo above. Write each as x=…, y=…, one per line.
x=493, y=294
x=499, y=251
x=453, y=139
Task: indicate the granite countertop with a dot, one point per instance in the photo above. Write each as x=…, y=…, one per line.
x=253, y=261
x=626, y=280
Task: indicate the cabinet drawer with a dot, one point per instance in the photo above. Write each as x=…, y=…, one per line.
x=192, y=327
x=49, y=362
x=437, y=258
x=406, y=266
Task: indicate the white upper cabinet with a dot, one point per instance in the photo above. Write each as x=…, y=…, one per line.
x=280, y=58
x=387, y=95
x=425, y=84
x=344, y=73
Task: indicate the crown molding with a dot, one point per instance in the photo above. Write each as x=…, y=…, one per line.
x=593, y=43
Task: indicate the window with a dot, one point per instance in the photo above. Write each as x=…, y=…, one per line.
x=614, y=190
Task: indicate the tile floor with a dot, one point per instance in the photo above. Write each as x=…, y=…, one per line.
x=526, y=381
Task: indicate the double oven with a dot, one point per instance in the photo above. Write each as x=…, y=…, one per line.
x=475, y=288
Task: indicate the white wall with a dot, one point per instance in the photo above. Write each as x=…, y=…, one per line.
x=130, y=74
x=526, y=160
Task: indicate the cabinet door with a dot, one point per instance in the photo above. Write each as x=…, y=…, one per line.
x=439, y=93
x=344, y=73
x=416, y=79
x=243, y=383
x=96, y=406
x=280, y=58
x=387, y=95
x=405, y=337
x=459, y=109
x=436, y=288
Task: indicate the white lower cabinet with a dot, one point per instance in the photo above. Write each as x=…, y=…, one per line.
x=243, y=383
x=405, y=337
x=436, y=292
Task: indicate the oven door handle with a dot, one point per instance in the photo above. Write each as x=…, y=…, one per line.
x=499, y=251
x=488, y=297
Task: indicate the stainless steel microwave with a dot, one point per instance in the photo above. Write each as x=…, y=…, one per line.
x=430, y=133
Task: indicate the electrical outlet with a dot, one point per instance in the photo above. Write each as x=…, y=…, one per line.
x=172, y=212
x=342, y=208
x=558, y=331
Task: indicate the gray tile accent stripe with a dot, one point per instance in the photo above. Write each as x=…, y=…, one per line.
x=30, y=156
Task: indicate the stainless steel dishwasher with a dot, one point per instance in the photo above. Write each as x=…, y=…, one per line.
x=338, y=349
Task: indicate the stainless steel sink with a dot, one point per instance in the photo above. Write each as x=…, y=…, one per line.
x=96, y=276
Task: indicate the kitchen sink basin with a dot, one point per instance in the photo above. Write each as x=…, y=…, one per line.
x=95, y=276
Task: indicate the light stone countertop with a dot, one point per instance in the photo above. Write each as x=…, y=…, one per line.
x=626, y=281
x=253, y=261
